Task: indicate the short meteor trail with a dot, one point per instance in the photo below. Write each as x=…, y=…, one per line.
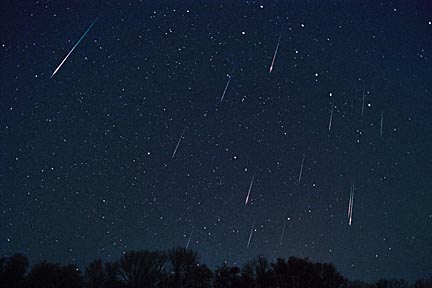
x=350, y=205
x=381, y=124
x=227, y=84
x=363, y=100
x=331, y=117
x=282, y=234
x=250, y=188
x=301, y=169
x=190, y=236
x=274, y=55
x=178, y=143
x=73, y=48
x=250, y=235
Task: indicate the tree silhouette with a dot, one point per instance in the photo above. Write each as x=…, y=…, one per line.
x=12, y=271
x=112, y=277
x=393, y=283
x=303, y=273
x=50, y=275
x=328, y=276
x=201, y=276
x=95, y=275
x=357, y=284
x=226, y=277
x=257, y=273
x=183, y=263
x=423, y=283
x=180, y=268
x=142, y=269
x=282, y=275
x=247, y=278
x=263, y=272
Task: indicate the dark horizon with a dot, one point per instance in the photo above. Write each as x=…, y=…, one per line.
x=181, y=267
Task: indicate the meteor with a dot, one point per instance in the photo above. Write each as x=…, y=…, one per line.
x=73, y=48
x=227, y=84
x=282, y=234
x=363, y=99
x=250, y=235
x=178, y=143
x=301, y=169
x=381, y=124
x=331, y=117
x=350, y=205
x=274, y=55
x=250, y=188
x=190, y=236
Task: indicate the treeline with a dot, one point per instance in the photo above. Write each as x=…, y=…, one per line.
x=180, y=268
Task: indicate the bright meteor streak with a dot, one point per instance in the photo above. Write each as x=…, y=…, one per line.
x=350, y=205
x=250, y=188
x=73, y=48
x=274, y=55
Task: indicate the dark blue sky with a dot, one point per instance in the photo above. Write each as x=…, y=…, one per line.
x=87, y=167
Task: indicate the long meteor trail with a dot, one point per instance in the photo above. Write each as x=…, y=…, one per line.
x=178, y=143
x=363, y=100
x=350, y=205
x=73, y=48
x=250, y=235
x=227, y=84
x=250, y=188
x=274, y=55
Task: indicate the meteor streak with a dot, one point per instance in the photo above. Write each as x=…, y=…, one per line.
x=250, y=235
x=301, y=169
x=331, y=118
x=73, y=48
x=227, y=84
x=350, y=205
x=250, y=188
x=190, y=236
x=363, y=99
x=381, y=124
x=282, y=234
x=274, y=55
x=178, y=143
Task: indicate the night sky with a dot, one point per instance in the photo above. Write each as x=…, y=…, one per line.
x=87, y=163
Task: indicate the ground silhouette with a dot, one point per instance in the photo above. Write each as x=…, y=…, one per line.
x=181, y=268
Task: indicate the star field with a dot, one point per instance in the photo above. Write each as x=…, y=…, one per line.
x=129, y=146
